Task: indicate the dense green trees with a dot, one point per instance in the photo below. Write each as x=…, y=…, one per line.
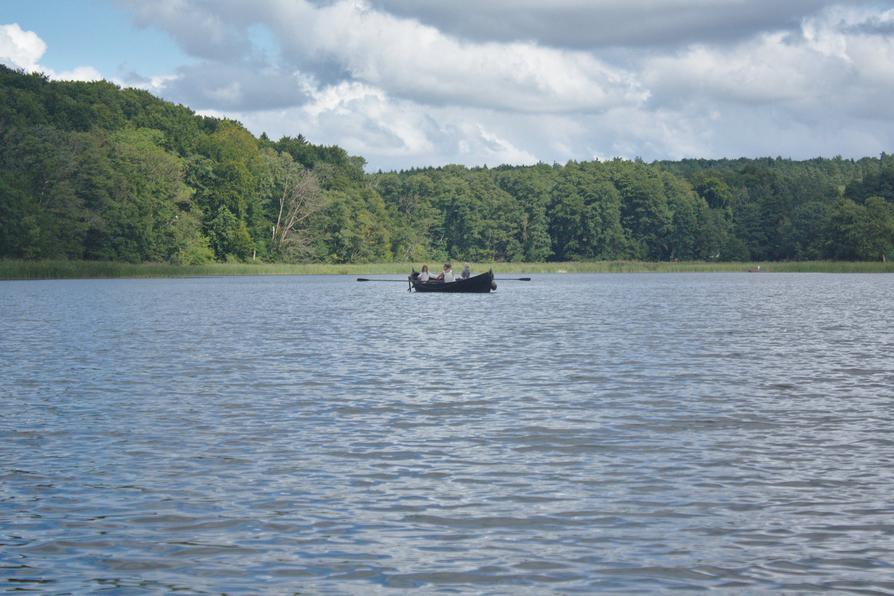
x=91, y=171
x=861, y=232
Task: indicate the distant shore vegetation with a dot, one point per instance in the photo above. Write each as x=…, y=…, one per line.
x=65, y=269
x=92, y=173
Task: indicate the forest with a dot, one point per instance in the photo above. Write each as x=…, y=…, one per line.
x=91, y=171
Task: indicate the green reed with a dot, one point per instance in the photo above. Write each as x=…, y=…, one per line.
x=62, y=269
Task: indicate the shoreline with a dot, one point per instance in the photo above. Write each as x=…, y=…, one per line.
x=11, y=270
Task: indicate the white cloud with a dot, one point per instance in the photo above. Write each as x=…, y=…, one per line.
x=20, y=49
x=495, y=149
x=419, y=62
x=863, y=38
x=24, y=49
x=830, y=66
x=391, y=133
x=347, y=40
x=79, y=73
x=770, y=69
x=155, y=84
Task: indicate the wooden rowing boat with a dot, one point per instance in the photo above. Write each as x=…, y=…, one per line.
x=477, y=284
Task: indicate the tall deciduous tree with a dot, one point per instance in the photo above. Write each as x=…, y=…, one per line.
x=298, y=199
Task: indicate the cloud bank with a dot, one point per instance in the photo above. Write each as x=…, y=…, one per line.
x=423, y=83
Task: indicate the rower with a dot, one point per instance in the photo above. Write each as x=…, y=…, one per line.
x=447, y=274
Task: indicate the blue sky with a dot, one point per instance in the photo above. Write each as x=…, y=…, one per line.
x=96, y=33
x=406, y=83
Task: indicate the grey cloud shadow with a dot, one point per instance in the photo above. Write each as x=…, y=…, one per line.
x=221, y=86
x=589, y=25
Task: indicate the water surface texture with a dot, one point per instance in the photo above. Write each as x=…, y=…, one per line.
x=579, y=433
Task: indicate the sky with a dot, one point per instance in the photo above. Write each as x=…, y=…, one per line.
x=412, y=83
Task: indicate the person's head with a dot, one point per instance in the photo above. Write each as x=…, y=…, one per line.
x=447, y=266
x=425, y=268
x=466, y=267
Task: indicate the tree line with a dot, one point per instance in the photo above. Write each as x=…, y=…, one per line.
x=92, y=171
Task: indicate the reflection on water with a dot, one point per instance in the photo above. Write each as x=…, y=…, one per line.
x=575, y=433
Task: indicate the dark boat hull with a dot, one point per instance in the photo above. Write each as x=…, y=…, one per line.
x=478, y=284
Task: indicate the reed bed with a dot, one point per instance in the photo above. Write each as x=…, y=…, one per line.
x=61, y=269
x=694, y=266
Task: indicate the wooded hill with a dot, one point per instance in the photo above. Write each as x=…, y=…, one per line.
x=93, y=171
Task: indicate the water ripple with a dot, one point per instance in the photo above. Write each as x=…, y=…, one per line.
x=618, y=433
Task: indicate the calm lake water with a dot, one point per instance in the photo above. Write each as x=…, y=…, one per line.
x=579, y=433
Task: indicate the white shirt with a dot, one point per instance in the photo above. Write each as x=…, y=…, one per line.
x=448, y=276
x=423, y=276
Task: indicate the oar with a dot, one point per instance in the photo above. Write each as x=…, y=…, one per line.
x=404, y=281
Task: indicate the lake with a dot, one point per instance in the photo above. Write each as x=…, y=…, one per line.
x=578, y=433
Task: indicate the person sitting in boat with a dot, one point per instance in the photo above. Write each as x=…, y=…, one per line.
x=424, y=275
x=447, y=274
x=467, y=272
